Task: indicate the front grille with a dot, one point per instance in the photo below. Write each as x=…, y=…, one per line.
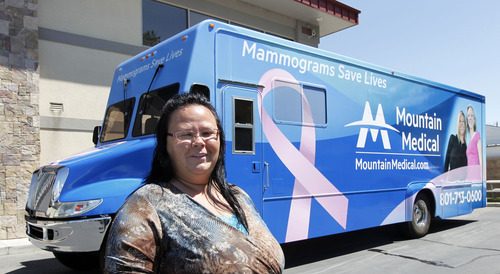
x=46, y=185
x=37, y=233
x=40, y=189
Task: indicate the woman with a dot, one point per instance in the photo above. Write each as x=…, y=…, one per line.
x=474, y=150
x=187, y=219
x=456, y=154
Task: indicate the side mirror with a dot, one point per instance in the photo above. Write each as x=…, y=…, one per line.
x=97, y=132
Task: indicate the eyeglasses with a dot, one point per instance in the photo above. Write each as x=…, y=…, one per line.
x=191, y=135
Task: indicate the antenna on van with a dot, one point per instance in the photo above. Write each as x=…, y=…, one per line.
x=125, y=83
x=146, y=105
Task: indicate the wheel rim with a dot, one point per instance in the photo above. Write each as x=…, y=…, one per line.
x=420, y=214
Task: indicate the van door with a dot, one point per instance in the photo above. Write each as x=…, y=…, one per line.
x=243, y=133
x=299, y=199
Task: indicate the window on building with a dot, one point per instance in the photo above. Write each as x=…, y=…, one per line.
x=196, y=17
x=244, y=26
x=161, y=21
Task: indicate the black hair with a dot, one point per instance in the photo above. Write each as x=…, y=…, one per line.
x=162, y=168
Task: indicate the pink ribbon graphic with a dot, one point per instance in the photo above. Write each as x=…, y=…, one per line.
x=309, y=182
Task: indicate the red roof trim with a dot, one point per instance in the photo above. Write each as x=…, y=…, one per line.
x=334, y=8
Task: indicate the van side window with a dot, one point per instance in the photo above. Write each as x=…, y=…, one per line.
x=288, y=103
x=117, y=120
x=149, y=111
x=243, y=126
x=316, y=97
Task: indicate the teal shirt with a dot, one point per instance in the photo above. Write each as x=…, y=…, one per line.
x=234, y=222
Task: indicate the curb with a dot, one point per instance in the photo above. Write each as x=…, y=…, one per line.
x=491, y=204
x=16, y=246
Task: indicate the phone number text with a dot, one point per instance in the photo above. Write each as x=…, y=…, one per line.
x=460, y=197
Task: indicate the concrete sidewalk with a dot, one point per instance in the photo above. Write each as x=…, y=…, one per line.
x=23, y=245
x=16, y=246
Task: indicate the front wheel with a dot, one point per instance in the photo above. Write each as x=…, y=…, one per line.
x=420, y=220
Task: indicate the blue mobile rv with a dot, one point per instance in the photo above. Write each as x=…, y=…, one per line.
x=323, y=144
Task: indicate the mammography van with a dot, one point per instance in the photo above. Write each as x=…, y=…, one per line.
x=322, y=143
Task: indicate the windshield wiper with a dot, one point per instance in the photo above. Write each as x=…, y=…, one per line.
x=147, y=104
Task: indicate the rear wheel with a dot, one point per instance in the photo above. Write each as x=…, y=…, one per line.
x=421, y=219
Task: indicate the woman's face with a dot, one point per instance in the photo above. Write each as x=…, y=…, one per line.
x=461, y=124
x=193, y=160
x=470, y=118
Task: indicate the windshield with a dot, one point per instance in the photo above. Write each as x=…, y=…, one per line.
x=117, y=120
x=150, y=106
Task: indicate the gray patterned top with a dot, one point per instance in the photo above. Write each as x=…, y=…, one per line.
x=161, y=229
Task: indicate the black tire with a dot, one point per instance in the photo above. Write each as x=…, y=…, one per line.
x=420, y=220
x=79, y=260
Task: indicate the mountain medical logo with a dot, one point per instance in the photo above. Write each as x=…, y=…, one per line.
x=374, y=125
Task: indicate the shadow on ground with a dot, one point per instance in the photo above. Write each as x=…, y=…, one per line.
x=313, y=250
x=52, y=266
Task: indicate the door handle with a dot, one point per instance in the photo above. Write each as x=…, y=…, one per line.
x=267, y=174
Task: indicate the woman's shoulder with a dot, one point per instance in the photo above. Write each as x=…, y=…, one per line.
x=153, y=190
x=476, y=136
x=238, y=191
x=150, y=195
x=149, y=187
x=240, y=194
x=453, y=140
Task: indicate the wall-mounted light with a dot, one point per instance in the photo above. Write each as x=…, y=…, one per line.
x=310, y=32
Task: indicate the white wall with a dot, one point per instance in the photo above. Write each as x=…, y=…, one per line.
x=114, y=20
x=77, y=76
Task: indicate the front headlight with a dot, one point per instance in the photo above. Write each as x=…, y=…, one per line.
x=70, y=209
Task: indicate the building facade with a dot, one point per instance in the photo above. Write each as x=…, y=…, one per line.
x=493, y=152
x=58, y=57
x=19, y=111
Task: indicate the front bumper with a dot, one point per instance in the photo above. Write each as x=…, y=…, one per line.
x=82, y=235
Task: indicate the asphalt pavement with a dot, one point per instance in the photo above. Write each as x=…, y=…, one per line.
x=23, y=246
